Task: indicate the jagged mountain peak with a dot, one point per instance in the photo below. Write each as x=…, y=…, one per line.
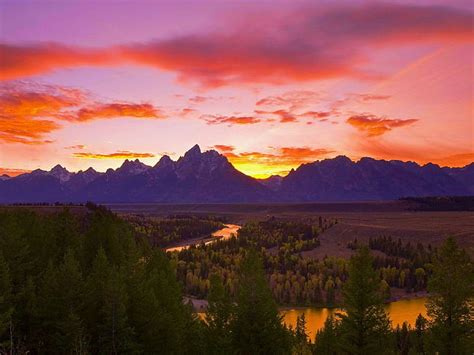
x=58, y=167
x=340, y=159
x=195, y=151
x=90, y=170
x=132, y=167
x=60, y=173
x=165, y=160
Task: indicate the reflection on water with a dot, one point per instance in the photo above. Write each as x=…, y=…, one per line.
x=399, y=311
x=225, y=233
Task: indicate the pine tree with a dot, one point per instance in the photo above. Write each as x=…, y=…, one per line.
x=327, y=338
x=219, y=317
x=61, y=297
x=70, y=295
x=300, y=330
x=106, y=306
x=402, y=336
x=301, y=345
x=451, y=306
x=420, y=328
x=116, y=336
x=28, y=318
x=257, y=327
x=161, y=320
x=365, y=327
x=6, y=308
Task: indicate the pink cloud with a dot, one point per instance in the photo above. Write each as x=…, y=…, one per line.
x=377, y=126
x=308, y=44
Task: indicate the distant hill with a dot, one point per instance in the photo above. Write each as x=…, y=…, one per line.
x=208, y=177
x=369, y=179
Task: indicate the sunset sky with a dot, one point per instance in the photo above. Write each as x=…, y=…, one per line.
x=270, y=84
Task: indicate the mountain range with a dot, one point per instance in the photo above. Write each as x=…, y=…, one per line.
x=208, y=177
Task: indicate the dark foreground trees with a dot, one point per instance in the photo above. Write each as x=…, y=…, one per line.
x=83, y=284
x=451, y=305
x=257, y=327
x=364, y=327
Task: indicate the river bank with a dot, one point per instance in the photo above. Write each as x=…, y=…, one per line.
x=227, y=232
x=406, y=310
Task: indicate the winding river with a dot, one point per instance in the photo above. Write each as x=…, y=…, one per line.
x=399, y=312
x=225, y=233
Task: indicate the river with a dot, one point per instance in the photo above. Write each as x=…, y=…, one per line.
x=225, y=233
x=399, y=312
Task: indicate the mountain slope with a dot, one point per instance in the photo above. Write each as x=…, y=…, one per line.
x=208, y=177
x=341, y=179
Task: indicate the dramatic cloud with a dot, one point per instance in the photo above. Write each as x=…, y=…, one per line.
x=309, y=44
x=122, y=154
x=29, y=111
x=28, y=60
x=13, y=172
x=376, y=126
x=224, y=148
x=230, y=120
x=113, y=110
x=276, y=161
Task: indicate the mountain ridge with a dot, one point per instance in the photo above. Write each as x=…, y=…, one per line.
x=209, y=177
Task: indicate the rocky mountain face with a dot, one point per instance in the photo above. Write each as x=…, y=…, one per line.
x=341, y=179
x=205, y=177
x=196, y=177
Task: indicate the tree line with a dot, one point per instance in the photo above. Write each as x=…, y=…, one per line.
x=164, y=232
x=296, y=279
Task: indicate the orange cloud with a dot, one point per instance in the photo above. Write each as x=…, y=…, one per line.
x=230, y=120
x=13, y=172
x=25, y=130
x=29, y=111
x=122, y=154
x=103, y=111
x=278, y=161
x=377, y=126
x=332, y=41
x=224, y=148
x=24, y=61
